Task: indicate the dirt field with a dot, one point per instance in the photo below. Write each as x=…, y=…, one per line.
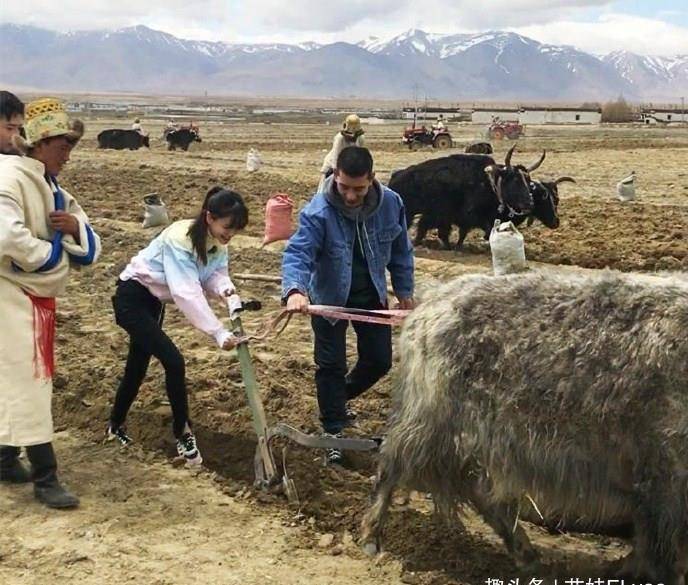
x=144, y=522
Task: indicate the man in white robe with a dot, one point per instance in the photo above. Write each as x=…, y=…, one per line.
x=43, y=233
x=351, y=134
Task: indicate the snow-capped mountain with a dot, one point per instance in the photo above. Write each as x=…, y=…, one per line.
x=418, y=42
x=642, y=71
x=493, y=65
x=412, y=42
x=656, y=76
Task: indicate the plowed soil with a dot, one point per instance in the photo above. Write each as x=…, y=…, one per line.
x=145, y=522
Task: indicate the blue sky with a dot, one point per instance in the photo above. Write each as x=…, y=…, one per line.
x=672, y=11
x=597, y=26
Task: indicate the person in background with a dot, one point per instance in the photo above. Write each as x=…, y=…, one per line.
x=186, y=262
x=169, y=127
x=137, y=126
x=351, y=134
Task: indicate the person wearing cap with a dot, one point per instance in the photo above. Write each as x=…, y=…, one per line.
x=170, y=127
x=351, y=134
x=43, y=234
x=136, y=126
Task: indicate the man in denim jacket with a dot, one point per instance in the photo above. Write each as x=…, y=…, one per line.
x=348, y=234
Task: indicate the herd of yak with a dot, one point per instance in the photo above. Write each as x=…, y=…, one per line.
x=464, y=190
x=119, y=139
x=471, y=191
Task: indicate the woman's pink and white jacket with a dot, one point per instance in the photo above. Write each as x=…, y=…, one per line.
x=170, y=269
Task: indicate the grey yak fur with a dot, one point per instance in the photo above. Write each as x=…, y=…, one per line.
x=580, y=409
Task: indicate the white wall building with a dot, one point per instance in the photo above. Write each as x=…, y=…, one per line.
x=534, y=115
x=668, y=116
x=559, y=116
x=449, y=114
x=486, y=115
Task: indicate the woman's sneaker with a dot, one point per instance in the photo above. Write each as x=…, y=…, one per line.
x=351, y=416
x=186, y=447
x=333, y=456
x=118, y=434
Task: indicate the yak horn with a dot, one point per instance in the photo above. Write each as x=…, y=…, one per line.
x=531, y=168
x=507, y=159
x=564, y=180
x=491, y=171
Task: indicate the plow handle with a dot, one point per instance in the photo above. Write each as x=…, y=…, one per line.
x=260, y=425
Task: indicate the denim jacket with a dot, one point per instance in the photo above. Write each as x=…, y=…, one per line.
x=318, y=257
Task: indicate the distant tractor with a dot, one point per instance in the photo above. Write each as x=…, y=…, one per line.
x=437, y=137
x=499, y=130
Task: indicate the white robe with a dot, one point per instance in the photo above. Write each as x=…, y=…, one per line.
x=339, y=143
x=26, y=198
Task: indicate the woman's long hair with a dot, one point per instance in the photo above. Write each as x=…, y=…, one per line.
x=221, y=203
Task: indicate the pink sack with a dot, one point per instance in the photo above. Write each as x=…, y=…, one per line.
x=278, y=218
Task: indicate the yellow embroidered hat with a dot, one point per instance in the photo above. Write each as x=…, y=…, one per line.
x=352, y=125
x=46, y=118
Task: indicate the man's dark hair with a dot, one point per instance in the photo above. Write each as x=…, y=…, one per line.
x=355, y=161
x=10, y=105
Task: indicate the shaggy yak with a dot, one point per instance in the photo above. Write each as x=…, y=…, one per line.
x=581, y=409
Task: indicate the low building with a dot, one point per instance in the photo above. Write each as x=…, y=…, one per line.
x=663, y=115
x=487, y=115
x=536, y=115
x=432, y=113
x=75, y=106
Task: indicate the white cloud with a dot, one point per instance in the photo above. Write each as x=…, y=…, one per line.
x=99, y=14
x=316, y=15
x=497, y=14
x=277, y=16
x=380, y=17
x=614, y=32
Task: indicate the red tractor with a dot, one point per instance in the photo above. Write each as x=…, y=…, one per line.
x=436, y=137
x=498, y=130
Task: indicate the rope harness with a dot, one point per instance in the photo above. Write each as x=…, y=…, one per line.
x=377, y=316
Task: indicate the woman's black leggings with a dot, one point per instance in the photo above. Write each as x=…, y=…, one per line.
x=140, y=314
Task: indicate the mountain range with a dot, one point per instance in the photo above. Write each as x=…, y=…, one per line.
x=490, y=66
